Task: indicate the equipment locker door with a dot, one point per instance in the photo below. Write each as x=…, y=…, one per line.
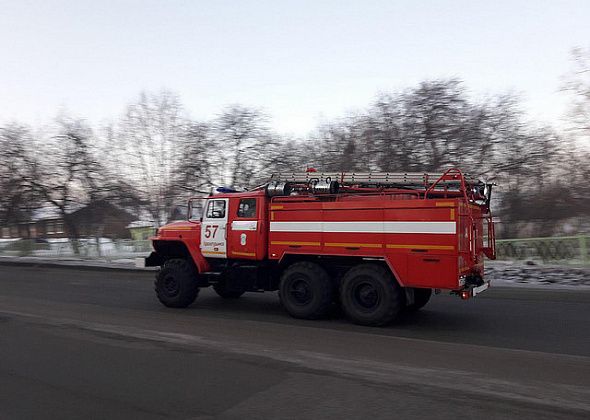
x=214, y=228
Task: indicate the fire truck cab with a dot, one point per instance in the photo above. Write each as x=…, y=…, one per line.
x=374, y=243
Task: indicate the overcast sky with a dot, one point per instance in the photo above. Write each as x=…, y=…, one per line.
x=301, y=61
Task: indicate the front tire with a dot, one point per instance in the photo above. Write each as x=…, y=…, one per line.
x=306, y=291
x=370, y=295
x=176, y=283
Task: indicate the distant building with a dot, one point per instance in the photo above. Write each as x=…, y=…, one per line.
x=45, y=222
x=97, y=219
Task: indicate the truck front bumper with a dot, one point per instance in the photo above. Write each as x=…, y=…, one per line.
x=153, y=260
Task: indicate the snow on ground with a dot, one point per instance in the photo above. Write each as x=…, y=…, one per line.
x=60, y=248
x=521, y=274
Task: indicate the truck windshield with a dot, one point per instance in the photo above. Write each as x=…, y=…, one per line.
x=196, y=206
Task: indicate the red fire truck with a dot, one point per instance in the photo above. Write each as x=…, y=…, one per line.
x=374, y=243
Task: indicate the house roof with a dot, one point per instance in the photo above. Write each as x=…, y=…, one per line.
x=50, y=212
x=141, y=224
x=45, y=213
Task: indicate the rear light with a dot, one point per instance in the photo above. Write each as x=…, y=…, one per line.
x=465, y=294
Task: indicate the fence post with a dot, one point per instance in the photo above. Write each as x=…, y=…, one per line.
x=583, y=249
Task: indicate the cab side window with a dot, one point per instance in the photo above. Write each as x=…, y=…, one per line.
x=247, y=208
x=216, y=209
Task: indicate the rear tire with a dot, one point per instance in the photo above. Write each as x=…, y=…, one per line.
x=306, y=291
x=370, y=295
x=176, y=283
x=421, y=298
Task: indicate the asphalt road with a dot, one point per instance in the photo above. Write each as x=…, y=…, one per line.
x=80, y=343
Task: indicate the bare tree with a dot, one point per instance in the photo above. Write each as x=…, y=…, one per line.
x=69, y=175
x=292, y=155
x=245, y=146
x=194, y=172
x=577, y=83
x=17, y=171
x=435, y=126
x=147, y=149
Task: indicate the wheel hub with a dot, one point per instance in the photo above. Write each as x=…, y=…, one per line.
x=171, y=286
x=300, y=292
x=366, y=295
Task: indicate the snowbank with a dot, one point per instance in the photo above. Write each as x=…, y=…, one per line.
x=521, y=274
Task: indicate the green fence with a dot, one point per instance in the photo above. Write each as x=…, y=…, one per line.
x=559, y=250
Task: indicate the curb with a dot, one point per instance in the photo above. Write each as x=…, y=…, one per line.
x=79, y=265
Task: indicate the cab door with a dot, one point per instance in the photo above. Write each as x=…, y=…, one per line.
x=244, y=228
x=214, y=228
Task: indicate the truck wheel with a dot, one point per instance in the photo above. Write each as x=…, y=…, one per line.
x=222, y=290
x=421, y=298
x=176, y=284
x=306, y=290
x=370, y=295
